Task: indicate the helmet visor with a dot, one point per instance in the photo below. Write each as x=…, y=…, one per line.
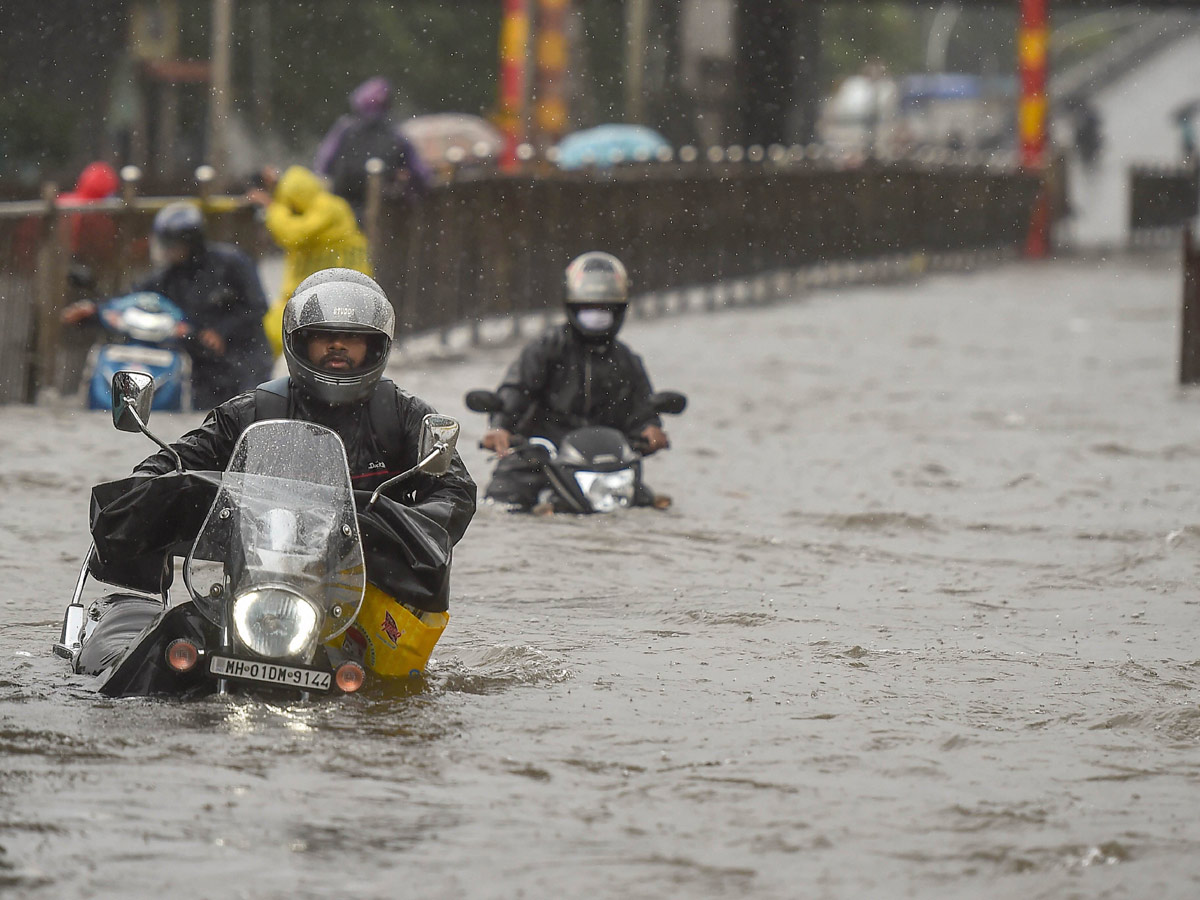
x=340, y=352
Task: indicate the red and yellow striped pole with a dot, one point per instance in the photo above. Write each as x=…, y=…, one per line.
x=1033, y=44
x=514, y=49
x=550, y=109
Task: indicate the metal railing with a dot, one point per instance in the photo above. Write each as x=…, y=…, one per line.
x=497, y=246
x=483, y=244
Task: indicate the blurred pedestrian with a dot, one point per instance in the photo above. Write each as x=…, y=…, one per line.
x=92, y=236
x=366, y=132
x=217, y=288
x=1089, y=136
x=316, y=230
x=1185, y=120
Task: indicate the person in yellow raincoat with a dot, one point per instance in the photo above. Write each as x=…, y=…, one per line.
x=316, y=230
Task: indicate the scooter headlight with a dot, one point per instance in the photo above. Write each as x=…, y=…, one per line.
x=275, y=621
x=607, y=491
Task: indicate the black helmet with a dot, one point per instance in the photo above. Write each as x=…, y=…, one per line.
x=180, y=223
x=337, y=307
x=596, y=296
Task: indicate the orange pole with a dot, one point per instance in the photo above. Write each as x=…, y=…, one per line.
x=514, y=44
x=550, y=110
x=1032, y=64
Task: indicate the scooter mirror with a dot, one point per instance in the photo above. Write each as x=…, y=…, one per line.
x=132, y=394
x=671, y=403
x=439, y=435
x=483, y=402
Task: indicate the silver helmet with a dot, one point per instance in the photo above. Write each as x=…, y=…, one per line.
x=340, y=307
x=596, y=296
x=325, y=276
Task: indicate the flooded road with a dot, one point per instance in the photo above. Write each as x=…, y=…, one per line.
x=921, y=623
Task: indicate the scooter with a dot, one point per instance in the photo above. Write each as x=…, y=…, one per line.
x=144, y=333
x=274, y=577
x=594, y=469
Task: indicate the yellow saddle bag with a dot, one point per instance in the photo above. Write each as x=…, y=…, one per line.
x=391, y=638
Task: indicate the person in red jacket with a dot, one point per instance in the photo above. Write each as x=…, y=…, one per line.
x=92, y=236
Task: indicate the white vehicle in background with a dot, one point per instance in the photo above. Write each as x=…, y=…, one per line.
x=861, y=116
x=875, y=115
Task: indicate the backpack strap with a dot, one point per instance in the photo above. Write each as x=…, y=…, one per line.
x=271, y=399
x=271, y=402
x=384, y=416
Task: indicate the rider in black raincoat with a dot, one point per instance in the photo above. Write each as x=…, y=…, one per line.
x=573, y=375
x=218, y=289
x=338, y=330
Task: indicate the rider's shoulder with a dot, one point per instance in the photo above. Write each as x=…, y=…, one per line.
x=553, y=339
x=406, y=401
x=240, y=408
x=226, y=254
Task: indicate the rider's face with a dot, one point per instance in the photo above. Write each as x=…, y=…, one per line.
x=337, y=351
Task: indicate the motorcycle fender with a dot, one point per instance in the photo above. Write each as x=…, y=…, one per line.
x=143, y=671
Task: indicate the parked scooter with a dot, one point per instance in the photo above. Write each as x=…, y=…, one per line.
x=144, y=332
x=593, y=469
x=273, y=579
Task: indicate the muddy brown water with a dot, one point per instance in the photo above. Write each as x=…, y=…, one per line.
x=921, y=623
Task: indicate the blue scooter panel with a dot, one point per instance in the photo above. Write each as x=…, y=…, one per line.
x=169, y=368
x=143, y=330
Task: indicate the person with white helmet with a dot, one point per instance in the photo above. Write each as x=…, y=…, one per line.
x=573, y=375
x=337, y=329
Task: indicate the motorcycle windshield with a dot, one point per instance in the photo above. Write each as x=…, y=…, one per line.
x=283, y=518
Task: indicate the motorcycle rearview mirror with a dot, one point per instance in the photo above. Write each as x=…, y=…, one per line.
x=435, y=448
x=133, y=394
x=439, y=436
x=483, y=402
x=671, y=403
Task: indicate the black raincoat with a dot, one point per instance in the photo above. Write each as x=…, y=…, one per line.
x=407, y=535
x=218, y=288
x=560, y=383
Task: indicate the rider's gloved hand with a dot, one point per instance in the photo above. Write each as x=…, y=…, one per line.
x=212, y=341
x=655, y=438
x=498, y=440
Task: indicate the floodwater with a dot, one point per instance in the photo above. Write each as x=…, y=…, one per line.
x=921, y=623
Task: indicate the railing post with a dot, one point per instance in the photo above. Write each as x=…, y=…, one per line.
x=51, y=291
x=373, y=206
x=130, y=176
x=1189, y=356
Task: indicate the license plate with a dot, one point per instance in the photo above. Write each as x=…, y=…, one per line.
x=270, y=673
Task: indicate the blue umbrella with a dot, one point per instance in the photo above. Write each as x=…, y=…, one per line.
x=606, y=145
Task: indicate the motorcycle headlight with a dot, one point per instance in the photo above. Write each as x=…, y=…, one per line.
x=275, y=621
x=606, y=491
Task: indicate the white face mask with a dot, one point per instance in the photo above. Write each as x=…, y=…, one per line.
x=595, y=319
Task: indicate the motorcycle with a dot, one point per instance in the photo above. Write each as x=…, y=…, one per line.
x=144, y=333
x=593, y=469
x=275, y=577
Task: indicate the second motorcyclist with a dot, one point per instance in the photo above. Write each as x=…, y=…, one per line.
x=573, y=375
